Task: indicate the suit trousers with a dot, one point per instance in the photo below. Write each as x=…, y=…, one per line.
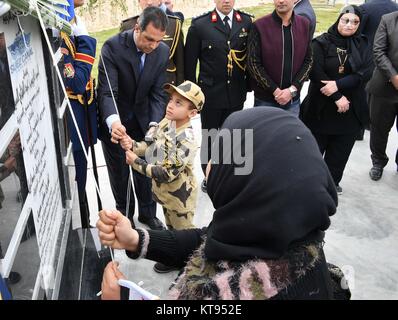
x=336, y=150
x=119, y=176
x=383, y=113
x=211, y=118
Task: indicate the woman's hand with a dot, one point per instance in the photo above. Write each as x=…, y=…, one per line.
x=329, y=88
x=343, y=105
x=114, y=230
x=110, y=287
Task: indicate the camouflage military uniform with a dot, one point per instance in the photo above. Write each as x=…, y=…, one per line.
x=173, y=182
x=174, y=39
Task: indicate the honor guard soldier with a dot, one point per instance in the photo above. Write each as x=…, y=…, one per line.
x=174, y=39
x=218, y=40
x=78, y=53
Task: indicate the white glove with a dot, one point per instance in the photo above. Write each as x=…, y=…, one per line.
x=4, y=8
x=79, y=28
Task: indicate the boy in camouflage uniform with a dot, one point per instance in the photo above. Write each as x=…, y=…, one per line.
x=170, y=156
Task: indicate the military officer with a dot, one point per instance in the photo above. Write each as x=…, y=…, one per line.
x=173, y=38
x=78, y=53
x=218, y=40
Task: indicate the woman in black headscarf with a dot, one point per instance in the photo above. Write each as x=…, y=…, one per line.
x=266, y=236
x=335, y=107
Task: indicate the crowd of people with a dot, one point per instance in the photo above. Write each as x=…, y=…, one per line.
x=262, y=242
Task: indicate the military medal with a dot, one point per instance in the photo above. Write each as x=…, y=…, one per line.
x=341, y=69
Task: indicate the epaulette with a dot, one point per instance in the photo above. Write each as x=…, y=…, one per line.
x=131, y=18
x=172, y=17
x=245, y=13
x=201, y=15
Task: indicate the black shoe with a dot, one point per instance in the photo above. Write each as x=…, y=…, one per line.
x=339, y=190
x=154, y=223
x=162, y=268
x=14, y=277
x=203, y=186
x=375, y=173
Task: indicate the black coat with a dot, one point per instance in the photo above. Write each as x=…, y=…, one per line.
x=140, y=99
x=207, y=42
x=318, y=111
x=372, y=11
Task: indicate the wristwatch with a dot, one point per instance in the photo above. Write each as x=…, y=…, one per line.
x=293, y=91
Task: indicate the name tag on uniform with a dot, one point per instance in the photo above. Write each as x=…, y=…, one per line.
x=167, y=38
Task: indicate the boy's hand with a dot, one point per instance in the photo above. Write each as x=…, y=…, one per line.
x=126, y=142
x=130, y=157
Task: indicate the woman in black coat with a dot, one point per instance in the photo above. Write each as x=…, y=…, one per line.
x=335, y=107
x=265, y=240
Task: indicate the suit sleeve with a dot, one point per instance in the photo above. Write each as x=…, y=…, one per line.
x=157, y=96
x=380, y=51
x=107, y=62
x=77, y=70
x=192, y=53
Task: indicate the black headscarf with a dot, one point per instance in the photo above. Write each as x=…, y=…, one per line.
x=354, y=44
x=288, y=195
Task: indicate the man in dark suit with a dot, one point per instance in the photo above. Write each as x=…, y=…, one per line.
x=372, y=11
x=383, y=89
x=218, y=39
x=174, y=39
x=135, y=62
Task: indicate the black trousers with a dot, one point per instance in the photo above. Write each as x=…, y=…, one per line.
x=119, y=176
x=383, y=113
x=211, y=119
x=336, y=150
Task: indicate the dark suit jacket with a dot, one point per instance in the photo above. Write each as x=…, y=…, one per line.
x=385, y=53
x=372, y=12
x=207, y=42
x=140, y=99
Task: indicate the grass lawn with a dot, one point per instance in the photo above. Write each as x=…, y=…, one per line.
x=325, y=16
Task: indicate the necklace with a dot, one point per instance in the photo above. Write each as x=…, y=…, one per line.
x=340, y=54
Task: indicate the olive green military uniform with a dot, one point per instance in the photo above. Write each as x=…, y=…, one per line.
x=173, y=182
x=174, y=39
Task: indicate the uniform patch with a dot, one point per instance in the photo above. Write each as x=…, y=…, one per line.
x=69, y=71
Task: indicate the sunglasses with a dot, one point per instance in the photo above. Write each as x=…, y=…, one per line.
x=353, y=22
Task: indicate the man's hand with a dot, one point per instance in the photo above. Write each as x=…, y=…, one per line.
x=394, y=81
x=114, y=230
x=130, y=157
x=126, y=142
x=110, y=288
x=329, y=88
x=118, y=132
x=284, y=97
x=343, y=105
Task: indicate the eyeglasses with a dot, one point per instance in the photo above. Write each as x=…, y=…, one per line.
x=353, y=22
